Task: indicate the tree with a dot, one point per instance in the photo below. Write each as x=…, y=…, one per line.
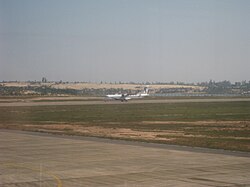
x=44, y=80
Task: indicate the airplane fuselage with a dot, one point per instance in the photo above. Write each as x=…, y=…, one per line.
x=126, y=97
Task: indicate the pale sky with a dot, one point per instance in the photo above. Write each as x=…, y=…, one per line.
x=125, y=40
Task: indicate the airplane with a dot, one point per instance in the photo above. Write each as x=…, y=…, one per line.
x=126, y=97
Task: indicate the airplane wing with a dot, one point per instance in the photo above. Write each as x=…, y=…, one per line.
x=125, y=97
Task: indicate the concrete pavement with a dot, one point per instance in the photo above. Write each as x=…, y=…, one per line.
x=30, y=159
x=112, y=102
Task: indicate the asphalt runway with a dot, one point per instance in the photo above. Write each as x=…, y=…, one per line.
x=135, y=101
x=32, y=159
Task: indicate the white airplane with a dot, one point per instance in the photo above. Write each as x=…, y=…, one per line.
x=126, y=97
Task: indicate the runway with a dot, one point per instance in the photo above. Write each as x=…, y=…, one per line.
x=33, y=159
x=102, y=102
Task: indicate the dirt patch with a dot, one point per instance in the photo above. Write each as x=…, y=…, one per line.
x=144, y=134
x=101, y=131
x=233, y=136
x=118, y=132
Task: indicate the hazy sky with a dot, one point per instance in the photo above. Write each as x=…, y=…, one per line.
x=125, y=40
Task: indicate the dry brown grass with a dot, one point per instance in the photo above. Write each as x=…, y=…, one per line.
x=133, y=134
x=79, y=86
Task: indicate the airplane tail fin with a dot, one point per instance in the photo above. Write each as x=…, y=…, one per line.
x=146, y=90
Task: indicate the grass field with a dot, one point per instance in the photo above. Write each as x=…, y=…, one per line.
x=224, y=125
